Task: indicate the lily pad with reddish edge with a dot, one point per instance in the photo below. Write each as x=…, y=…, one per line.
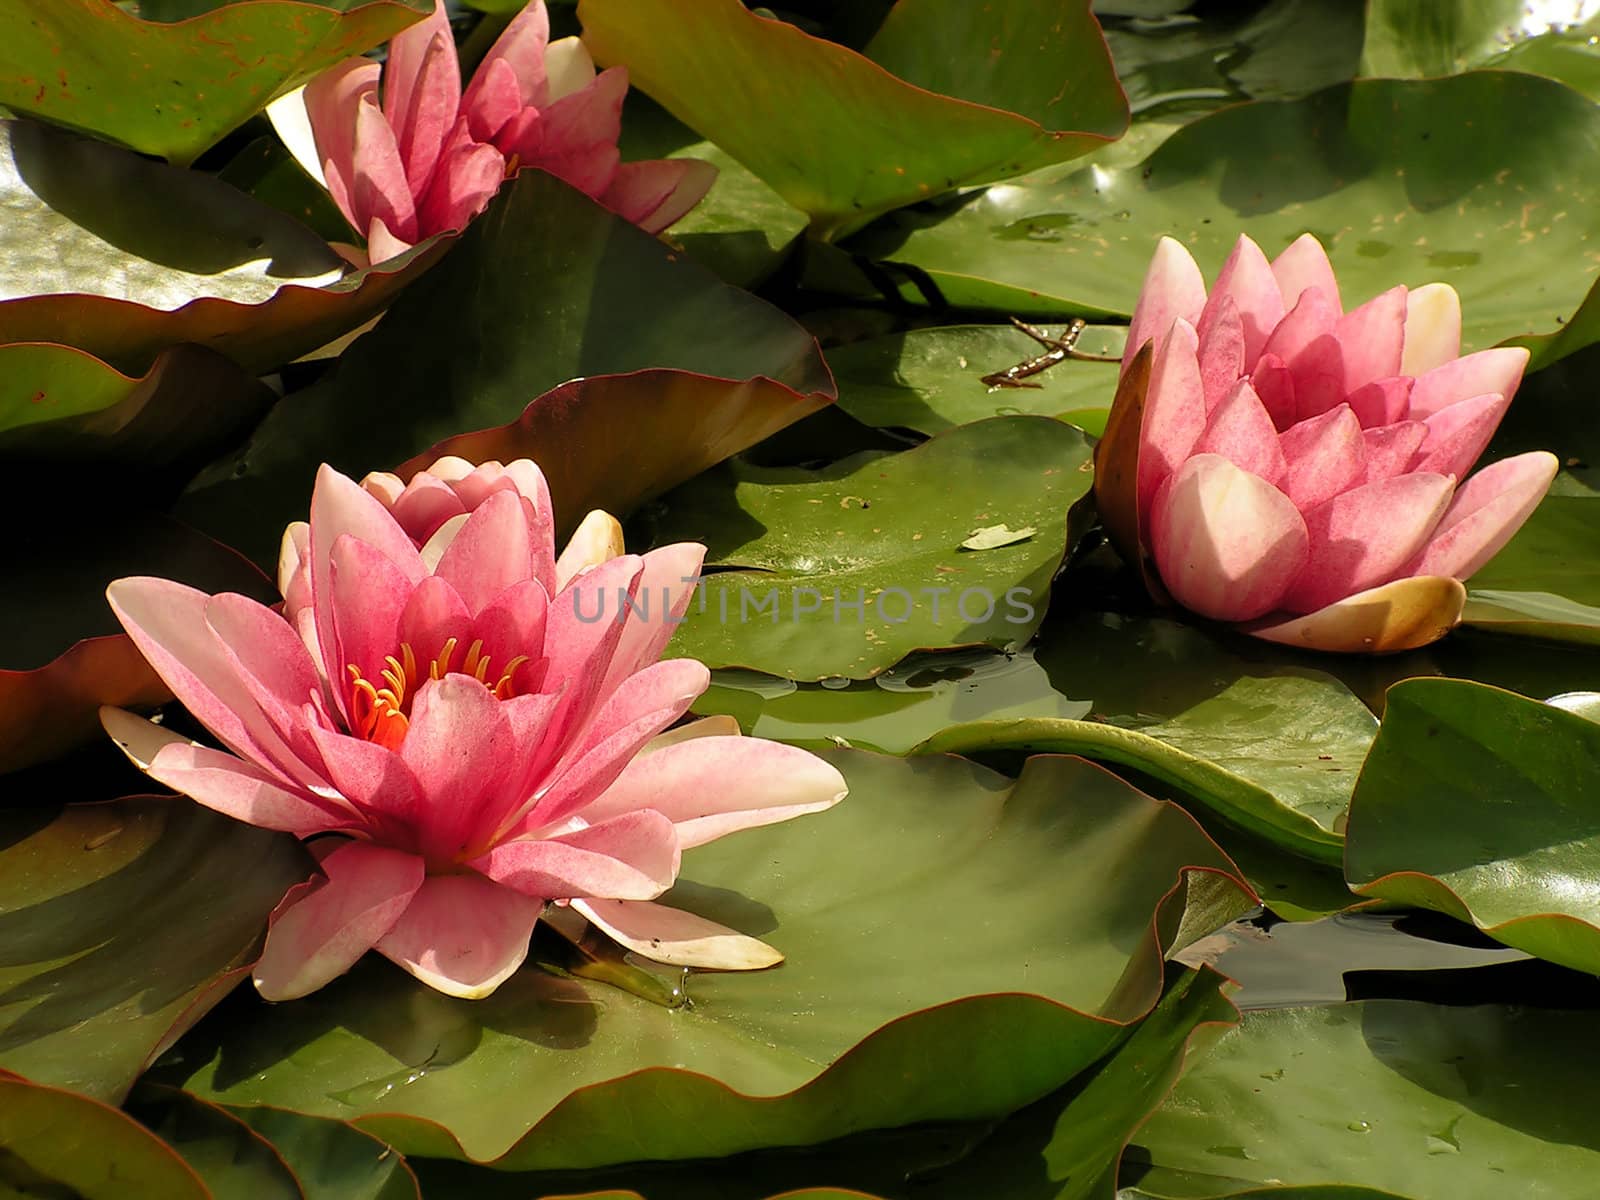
x=173, y=89
x=122, y=258
x=62, y=654
x=545, y=288
x=953, y=952
x=843, y=137
x=59, y=1143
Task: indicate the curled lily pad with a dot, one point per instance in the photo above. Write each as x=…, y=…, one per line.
x=173, y=89
x=844, y=574
x=842, y=138
x=122, y=258
x=904, y=968
x=1404, y=181
x=545, y=288
x=1486, y=806
x=122, y=924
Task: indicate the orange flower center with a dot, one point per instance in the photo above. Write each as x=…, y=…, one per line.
x=383, y=714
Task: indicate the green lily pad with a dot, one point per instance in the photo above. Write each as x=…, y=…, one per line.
x=266, y=170
x=1485, y=806
x=122, y=258
x=1546, y=582
x=894, y=711
x=843, y=139
x=673, y=371
x=172, y=90
x=931, y=379
x=1443, y=38
x=122, y=923
x=952, y=953
x=228, y=1156
x=58, y=1143
x=884, y=531
x=1063, y=1147
x=1384, y=1099
x=1405, y=181
x=1274, y=753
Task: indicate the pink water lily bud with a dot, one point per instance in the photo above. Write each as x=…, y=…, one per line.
x=1302, y=470
x=406, y=154
x=468, y=726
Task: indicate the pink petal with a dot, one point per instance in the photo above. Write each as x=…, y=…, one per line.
x=423, y=505
x=711, y=785
x=521, y=49
x=378, y=783
x=318, y=933
x=495, y=98
x=1326, y=455
x=1371, y=339
x=491, y=553
x=1246, y=279
x=433, y=614
x=1485, y=514
x=338, y=507
x=1363, y=537
x=1226, y=542
x=1274, y=384
x=1241, y=430
x=1390, y=448
x=523, y=476
x=468, y=177
x=167, y=622
x=512, y=626
x=1314, y=316
x=629, y=857
x=370, y=595
x=585, y=625
x=379, y=191
x=673, y=936
x=421, y=93
x=1173, y=288
x=641, y=707
x=1433, y=328
x=272, y=665
x=657, y=193
x=462, y=935
x=1496, y=371
x=1459, y=434
x=1381, y=402
x=332, y=100
x=221, y=782
x=461, y=749
x=665, y=586
x=383, y=245
x=1304, y=264
x=1221, y=354
x=1174, y=411
x=579, y=134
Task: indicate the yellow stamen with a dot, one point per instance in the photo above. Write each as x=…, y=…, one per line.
x=383, y=714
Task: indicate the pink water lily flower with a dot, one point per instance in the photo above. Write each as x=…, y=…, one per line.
x=424, y=157
x=1302, y=470
x=466, y=727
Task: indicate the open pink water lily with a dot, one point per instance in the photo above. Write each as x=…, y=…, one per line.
x=465, y=726
x=426, y=157
x=1299, y=469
